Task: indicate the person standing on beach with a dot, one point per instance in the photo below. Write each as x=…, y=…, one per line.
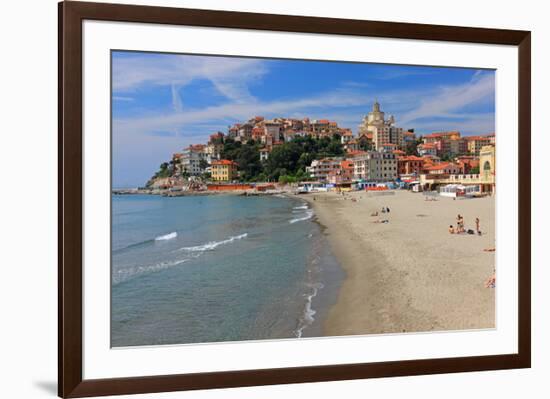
x=477, y=227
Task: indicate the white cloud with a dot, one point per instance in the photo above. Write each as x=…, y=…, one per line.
x=230, y=76
x=122, y=98
x=452, y=98
x=176, y=99
x=149, y=139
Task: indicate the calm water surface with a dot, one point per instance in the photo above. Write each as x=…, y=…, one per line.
x=217, y=268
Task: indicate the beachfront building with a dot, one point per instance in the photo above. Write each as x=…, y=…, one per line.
x=487, y=169
x=320, y=168
x=443, y=168
x=449, y=177
x=409, y=165
x=467, y=163
x=375, y=166
x=224, y=170
x=383, y=130
x=191, y=157
x=343, y=175
x=430, y=182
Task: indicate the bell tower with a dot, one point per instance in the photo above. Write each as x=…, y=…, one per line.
x=375, y=116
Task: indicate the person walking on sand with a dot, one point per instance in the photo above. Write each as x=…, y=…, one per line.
x=477, y=227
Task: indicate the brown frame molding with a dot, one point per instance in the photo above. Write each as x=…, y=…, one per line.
x=71, y=15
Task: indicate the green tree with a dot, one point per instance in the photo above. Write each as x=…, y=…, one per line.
x=248, y=159
x=203, y=164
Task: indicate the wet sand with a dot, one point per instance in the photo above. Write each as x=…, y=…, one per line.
x=410, y=274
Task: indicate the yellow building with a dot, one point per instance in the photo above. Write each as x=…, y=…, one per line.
x=224, y=170
x=475, y=143
x=487, y=166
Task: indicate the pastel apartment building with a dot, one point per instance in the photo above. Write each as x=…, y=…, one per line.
x=375, y=166
x=224, y=170
x=343, y=175
x=321, y=168
x=444, y=143
x=191, y=157
x=410, y=165
x=476, y=143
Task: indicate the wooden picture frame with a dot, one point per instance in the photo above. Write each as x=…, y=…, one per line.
x=71, y=17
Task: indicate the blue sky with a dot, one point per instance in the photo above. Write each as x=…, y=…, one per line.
x=163, y=102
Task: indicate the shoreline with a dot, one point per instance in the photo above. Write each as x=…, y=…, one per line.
x=409, y=275
x=193, y=193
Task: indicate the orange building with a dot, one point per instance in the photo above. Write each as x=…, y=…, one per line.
x=410, y=165
x=343, y=175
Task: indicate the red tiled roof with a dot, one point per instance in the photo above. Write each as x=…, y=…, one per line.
x=485, y=137
x=411, y=158
x=441, y=166
x=346, y=164
x=196, y=147
x=224, y=162
x=441, y=134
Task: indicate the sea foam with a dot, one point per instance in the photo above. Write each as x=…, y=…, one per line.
x=307, y=215
x=168, y=236
x=124, y=274
x=210, y=246
x=307, y=318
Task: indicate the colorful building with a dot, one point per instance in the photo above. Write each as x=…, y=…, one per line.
x=343, y=175
x=321, y=168
x=487, y=167
x=375, y=166
x=475, y=143
x=410, y=165
x=446, y=143
x=443, y=168
x=191, y=157
x=224, y=170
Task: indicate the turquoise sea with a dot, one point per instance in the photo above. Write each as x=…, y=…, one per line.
x=217, y=268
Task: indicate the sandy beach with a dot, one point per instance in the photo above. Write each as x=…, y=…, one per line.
x=409, y=274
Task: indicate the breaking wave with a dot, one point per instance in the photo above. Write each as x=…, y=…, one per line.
x=307, y=215
x=168, y=236
x=124, y=274
x=210, y=246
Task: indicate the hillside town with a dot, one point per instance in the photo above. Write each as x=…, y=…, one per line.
x=320, y=155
